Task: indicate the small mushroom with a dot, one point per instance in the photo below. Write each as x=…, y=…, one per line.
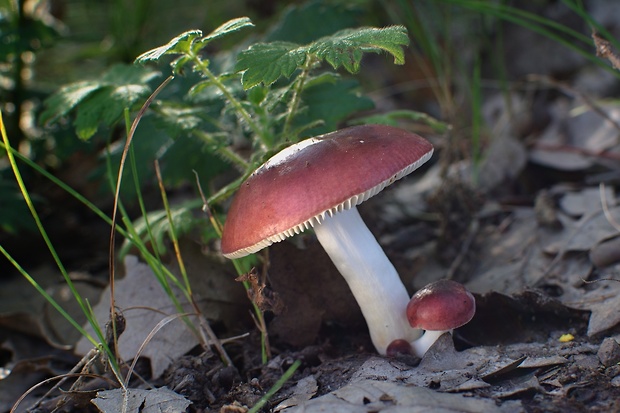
x=399, y=347
x=438, y=308
x=318, y=183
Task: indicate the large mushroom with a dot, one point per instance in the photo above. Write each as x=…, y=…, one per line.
x=317, y=183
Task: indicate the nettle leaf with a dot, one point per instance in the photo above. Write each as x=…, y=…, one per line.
x=191, y=42
x=267, y=62
x=179, y=45
x=100, y=101
x=66, y=99
x=346, y=47
x=395, y=118
x=229, y=27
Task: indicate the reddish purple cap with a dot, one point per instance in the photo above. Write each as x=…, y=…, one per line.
x=441, y=306
x=294, y=189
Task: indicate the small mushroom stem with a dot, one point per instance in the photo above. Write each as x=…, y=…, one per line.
x=372, y=278
x=422, y=344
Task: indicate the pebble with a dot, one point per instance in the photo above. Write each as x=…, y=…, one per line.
x=609, y=352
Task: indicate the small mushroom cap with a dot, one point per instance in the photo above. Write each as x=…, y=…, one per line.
x=298, y=186
x=441, y=306
x=398, y=347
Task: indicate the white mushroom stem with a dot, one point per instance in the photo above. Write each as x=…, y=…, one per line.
x=371, y=276
x=422, y=344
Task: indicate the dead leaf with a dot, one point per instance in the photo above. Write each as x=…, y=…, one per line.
x=23, y=309
x=385, y=396
x=140, y=401
x=305, y=389
x=144, y=304
x=604, y=303
x=576, y=135
x=585, y=201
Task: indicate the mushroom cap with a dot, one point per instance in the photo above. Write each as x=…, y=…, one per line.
x=298, y=186
x=441, y=306
x=398, y=347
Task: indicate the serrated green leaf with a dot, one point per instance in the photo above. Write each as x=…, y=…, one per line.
x=100, y=101
x=229, y=27
x=66, y=99
x=346, y=47
x=392, y=118
x=93, y=110
x=267, y=62
x=179, y=45
x=176, y=119
x=178, y=64
x=106, y=106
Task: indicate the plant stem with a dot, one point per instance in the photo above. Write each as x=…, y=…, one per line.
x=274, y=389
x=299, y=85
x=224, y=151
x=264, y=141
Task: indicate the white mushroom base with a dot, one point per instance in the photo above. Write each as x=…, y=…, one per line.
x=372, y=278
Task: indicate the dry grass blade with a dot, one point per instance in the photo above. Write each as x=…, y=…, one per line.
x=51, y=379
x=121, y=167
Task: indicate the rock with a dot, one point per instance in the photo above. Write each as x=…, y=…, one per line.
x=609, y=352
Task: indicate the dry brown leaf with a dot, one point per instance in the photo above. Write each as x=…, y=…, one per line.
x=144, y=304
x=140, y=401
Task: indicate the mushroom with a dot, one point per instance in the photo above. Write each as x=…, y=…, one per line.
x=438, y=308
x=317, y=183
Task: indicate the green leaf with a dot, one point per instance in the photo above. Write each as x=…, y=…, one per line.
x=346, y=47
x=179, y=45
x=267, y=62
x=122, y=75
x=100, y=101
x=66, y=99
x=230, y=26
x=395, y=117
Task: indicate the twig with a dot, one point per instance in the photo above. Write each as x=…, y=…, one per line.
x=605, y=50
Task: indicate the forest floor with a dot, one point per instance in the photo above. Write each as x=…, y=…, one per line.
x=535, y=240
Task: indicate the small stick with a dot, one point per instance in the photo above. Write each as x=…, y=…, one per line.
x=605, y=50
